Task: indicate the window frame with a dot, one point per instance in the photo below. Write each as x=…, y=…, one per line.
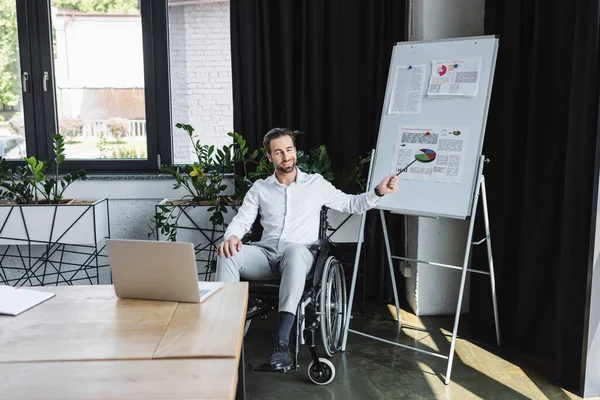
x=39, y=107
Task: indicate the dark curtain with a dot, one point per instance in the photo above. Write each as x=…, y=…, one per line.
x=319, y=67
x=541, y=139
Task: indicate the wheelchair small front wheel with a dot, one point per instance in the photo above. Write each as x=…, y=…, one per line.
x=325, y=375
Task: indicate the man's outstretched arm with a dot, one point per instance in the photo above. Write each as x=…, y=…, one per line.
x=356, y=204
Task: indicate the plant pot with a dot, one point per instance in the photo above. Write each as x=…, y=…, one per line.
x=194, y=226
x=66, y=223
x=194, y=221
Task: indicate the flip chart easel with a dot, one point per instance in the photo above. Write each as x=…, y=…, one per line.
x=450, y=199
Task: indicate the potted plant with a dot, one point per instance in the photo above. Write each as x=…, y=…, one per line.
x=202, y=214
x=33, y=209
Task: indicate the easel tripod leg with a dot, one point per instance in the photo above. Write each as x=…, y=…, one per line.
x=361, y=238
x=463, y=279
x=348, y=315
x=391, y=265
x=490, y=258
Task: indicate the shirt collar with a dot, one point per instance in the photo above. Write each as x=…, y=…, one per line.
x=300, y=177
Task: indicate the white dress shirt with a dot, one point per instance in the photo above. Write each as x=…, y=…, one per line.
x=291, y=214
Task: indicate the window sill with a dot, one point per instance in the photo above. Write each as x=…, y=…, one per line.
x=132, y=186
x=129, y=177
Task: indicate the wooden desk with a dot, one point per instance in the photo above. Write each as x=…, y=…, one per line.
x=119, y=348
x=134, y=379
x=191, y=325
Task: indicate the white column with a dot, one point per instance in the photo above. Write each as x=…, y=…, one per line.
x=432, y=290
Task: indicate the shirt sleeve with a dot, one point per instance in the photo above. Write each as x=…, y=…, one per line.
x=340, y=201
x=246, y=215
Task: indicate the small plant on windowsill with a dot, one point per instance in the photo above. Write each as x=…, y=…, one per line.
x=29, y=184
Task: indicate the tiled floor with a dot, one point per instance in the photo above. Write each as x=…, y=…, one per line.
x=370, y=369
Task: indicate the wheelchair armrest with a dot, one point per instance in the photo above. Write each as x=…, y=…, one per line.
x=319, y=245
x=247, y=238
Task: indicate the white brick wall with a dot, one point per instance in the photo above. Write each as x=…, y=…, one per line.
x=201, y=92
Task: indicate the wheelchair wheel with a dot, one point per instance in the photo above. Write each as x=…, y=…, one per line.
x=332, y=305
x=324, y=377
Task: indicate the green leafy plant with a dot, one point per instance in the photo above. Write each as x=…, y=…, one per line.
x=353, y=179
x=25, y=184
x=17, y=184
x=203, y=181
x=320, y=163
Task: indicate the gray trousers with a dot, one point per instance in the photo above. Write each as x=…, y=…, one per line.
x=291, y=262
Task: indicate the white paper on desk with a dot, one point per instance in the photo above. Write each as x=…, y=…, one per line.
x=208, y=288
x=13, y=301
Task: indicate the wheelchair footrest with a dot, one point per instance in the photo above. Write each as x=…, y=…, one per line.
x=258, y=307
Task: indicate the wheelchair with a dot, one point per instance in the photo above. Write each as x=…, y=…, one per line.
x=322, y=308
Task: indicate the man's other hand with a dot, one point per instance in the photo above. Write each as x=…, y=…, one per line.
x=230, y=246
x=388, y=184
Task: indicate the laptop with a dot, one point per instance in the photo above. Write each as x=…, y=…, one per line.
x=153, y=270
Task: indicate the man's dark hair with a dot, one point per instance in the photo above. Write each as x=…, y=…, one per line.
x=276, y=133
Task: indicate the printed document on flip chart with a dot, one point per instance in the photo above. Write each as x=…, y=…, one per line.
x=439, y=151
x=408, y=89
x=454, y=78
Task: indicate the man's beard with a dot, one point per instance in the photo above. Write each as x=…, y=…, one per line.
x=288, y=169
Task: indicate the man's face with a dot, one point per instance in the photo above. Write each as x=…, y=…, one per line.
x=283, y=154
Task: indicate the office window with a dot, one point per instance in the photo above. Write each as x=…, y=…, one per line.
x=99, y=78
x=114, y=77
x=12, y=125
x=200, y=73
x=97, y=72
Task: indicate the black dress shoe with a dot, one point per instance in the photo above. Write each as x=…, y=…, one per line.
x=280, y=357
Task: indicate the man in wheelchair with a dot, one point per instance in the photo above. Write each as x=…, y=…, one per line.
x=289, y=204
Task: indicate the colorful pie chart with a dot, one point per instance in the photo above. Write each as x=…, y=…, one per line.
x=425, y=155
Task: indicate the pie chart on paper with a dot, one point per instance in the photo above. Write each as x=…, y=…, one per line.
x=425, y=155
